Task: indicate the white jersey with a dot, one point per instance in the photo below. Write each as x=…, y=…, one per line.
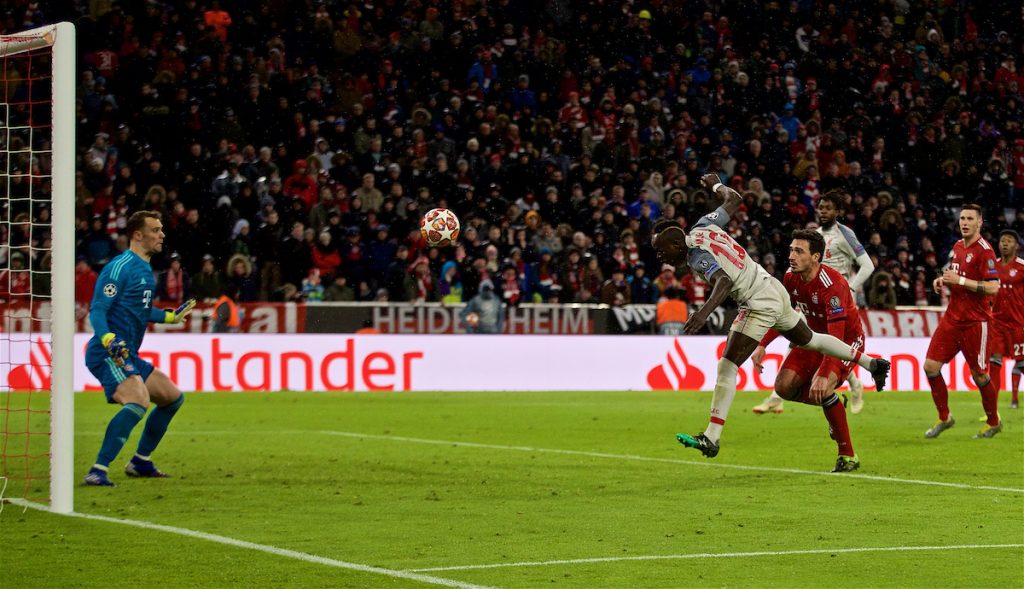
x=712, y=248
x=841, y=249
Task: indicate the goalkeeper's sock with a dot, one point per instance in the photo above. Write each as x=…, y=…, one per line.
x=118, y=430
x=835, y=413
x=837, y=348
x=156, y=426
x=940, y=395
x=721, y=401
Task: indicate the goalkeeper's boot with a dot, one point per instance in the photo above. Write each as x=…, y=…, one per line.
x=940, y=427
x=880, y=373
x=98, y=478
x=701, y=442
x=856, y=397
x=989, y=431
x=138, y=467
x=772, y=404
x=846, y=464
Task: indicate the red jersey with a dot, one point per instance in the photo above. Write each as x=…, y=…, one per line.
x=1009, y=305
x=827, y=303
x=975, y=262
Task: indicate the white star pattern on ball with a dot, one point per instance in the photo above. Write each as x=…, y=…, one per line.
x=440, y=227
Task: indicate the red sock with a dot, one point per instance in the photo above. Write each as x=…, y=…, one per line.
x=990, y=401
x=995, y=372
x=940, y=395
x=1016, y=384
x=836, y=416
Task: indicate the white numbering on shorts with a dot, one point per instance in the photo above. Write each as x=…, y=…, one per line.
x=147, y=298
x=1018, y=350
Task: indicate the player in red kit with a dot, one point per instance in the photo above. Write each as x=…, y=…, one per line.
x=824, y=297
x=1008, y=313
x=973, y=282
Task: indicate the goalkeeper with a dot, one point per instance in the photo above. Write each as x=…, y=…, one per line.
x=122, y=306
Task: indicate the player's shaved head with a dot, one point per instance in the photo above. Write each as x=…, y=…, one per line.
x=669, y=241
x=1009, y=243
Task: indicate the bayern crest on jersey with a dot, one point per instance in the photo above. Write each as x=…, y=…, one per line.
x=969, y=258
x=814, y=298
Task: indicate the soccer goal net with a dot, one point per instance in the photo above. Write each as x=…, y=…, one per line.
x=37, y=251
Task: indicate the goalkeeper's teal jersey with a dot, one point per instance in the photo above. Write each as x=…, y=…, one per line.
x=122, y=303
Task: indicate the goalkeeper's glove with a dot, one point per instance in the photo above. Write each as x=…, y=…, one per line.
x=178, y=315
x=116, y=347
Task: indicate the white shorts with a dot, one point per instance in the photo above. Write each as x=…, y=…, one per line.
x=769, y=307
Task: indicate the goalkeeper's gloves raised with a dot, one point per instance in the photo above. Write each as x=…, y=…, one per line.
x=116, y=347
x=178, y=315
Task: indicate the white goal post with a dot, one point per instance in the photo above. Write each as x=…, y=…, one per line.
x=60, y=39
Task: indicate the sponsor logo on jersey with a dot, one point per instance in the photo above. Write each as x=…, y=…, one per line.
x=110, y=289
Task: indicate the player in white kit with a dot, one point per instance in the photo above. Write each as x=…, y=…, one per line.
x=763, y=301
x=842, y=251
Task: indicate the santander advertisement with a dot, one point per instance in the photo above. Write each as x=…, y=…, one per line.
x=347, y=362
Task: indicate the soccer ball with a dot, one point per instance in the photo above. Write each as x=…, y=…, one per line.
x=440, y=227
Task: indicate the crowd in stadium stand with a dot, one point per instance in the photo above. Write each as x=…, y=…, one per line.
x=293, y=146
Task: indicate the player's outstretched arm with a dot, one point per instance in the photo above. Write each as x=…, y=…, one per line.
x=731, y=199
x=721, y=285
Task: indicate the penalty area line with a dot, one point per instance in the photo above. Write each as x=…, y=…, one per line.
x=714, y=555
x=293, y=554
x=638, y=458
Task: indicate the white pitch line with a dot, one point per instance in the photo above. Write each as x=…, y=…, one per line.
x=303, y=556
x=671, y=461
x=714, y=555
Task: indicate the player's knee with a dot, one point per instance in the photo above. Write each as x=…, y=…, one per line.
x=787, y=385
x=788, y=391
x=131, y=391
x=932, y=368
x=980, y=378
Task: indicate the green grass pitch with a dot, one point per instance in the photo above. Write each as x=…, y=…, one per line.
x=374, y=479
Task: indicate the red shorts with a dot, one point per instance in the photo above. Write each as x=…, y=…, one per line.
x=1007, y=340
x=806, y=362
x=970, y=339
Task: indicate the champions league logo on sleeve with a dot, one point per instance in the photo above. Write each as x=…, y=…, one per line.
x=110, y=289
x=835, y=303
